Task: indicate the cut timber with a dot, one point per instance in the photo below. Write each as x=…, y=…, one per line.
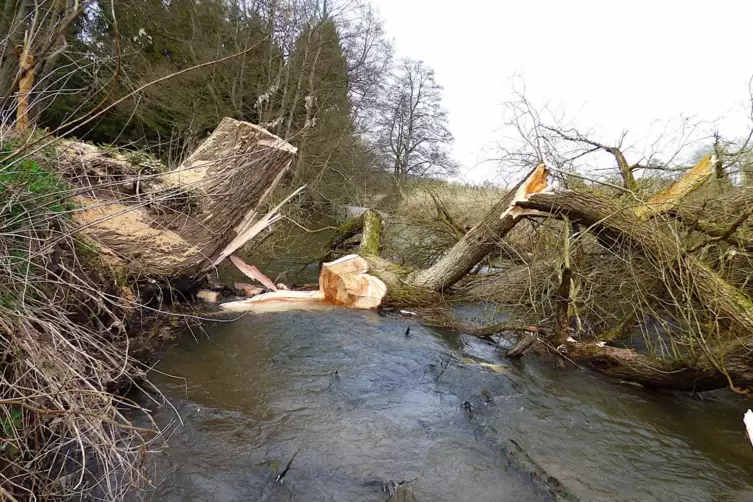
x=345, y=282
x=127, y=233
x=231, y=174
x=278, y=301
x=483, y=237
x=205, y=209
x=341, y=282
x=677, y=191
x=400, y=292
x=251, y=227
x=253, y=273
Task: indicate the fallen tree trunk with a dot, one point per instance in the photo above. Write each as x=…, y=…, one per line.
x=524, y=344
x=615, y=225
x=618, y=227
x=482, y=238
x=400, y=291
x=178, y=224
x=731, y=364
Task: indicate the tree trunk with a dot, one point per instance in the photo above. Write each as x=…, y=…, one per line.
x=482, y=238
x=699, y=375
x=614, y=225
x=372, y=225
x=178, y=224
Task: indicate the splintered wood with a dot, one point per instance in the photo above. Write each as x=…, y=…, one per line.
x=25, y=86
x=677, y=191
x=536, y=182
x=341, y=282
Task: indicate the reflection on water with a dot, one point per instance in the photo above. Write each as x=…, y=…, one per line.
x=362, y=405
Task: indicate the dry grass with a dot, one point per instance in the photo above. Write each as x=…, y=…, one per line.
x=466, y=203
x=66, y=352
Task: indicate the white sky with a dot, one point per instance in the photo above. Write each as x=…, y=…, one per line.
x=610, y=65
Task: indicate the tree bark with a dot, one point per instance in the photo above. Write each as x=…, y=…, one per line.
x=219, y=191
x=735, y=366
x=232, y=173
x=372, y=225
x=482, y=238
x=615, y=225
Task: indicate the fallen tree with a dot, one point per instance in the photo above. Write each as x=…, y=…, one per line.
x=87, y=235
x=179, y=223
x=648, y=230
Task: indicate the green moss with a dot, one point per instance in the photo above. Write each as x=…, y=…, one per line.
x=12, y=421
x=86, y=249
x=372, y=229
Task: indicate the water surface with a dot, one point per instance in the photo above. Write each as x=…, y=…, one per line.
x=362, y=405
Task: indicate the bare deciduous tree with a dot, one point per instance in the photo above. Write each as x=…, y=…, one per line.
x=413, y=132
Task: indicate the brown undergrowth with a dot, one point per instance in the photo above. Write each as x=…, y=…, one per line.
x=74, y=332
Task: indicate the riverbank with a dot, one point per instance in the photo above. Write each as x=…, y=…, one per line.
x=102, y=248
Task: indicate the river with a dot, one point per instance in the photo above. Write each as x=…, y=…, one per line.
x=362, y=404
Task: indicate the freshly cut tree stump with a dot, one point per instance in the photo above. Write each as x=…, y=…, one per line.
x=345, y=282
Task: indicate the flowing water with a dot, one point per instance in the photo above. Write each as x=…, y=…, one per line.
x=362, y=404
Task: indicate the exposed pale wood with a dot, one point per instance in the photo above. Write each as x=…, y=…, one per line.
x=218, y=192
x=230, y=174
x=679, y=190
x=345, y=282
x=277, y=301
x=208, y=296
x=25, y=85
x=252, y=272
x=250, y=227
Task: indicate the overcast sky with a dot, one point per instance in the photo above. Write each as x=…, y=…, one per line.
x=612, y=66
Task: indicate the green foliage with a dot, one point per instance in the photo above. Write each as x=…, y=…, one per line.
x=157, y=39
x=11, y=422
x=293, y=78
x=26, y=189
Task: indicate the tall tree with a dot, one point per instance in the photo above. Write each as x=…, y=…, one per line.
x=413, y=132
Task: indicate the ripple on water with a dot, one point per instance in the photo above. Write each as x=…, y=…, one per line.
x=264, y=387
